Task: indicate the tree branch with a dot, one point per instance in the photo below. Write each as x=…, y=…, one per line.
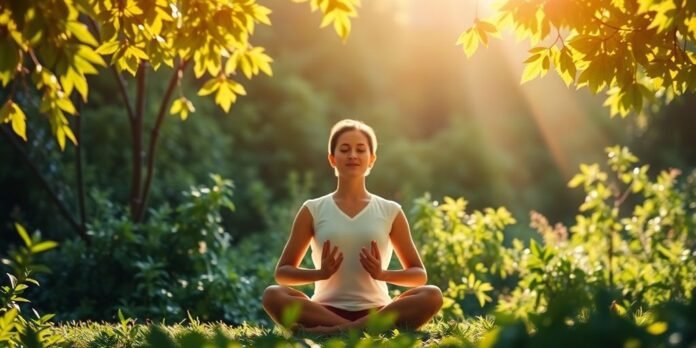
x=178, y=73
x=124, y=93
x=137, y=148
x=78, y=164
x=119, y=79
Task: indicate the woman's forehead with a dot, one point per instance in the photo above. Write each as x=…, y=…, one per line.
x=352, y=137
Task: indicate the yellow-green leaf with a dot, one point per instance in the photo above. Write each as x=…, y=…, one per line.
x=657, y=328
x=43, y=246
x=533, y=69
x=183, y=107
x=469, y=42
x=12, y=113
x=81, y=33
x=109, y=47
x=23, y=233
x=210, y=86
x=90, y=55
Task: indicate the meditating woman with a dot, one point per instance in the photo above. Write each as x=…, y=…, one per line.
x=352, y=234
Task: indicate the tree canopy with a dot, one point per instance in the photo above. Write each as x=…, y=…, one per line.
x=54, y=45
x=639, y=51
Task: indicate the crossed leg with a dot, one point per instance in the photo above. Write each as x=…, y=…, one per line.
x=413, y=308
x=277, y=297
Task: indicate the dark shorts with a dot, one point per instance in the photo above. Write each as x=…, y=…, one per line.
x=350, y=315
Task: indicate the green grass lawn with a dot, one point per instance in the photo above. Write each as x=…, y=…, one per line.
x=196, y=334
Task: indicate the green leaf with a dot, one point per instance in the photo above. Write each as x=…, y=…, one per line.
x=90, y=55
x=23, y=233
x=13, y=280
x=533, y=68
x=192, y=340
x=657, y=328
x=121, y=318
x=576, y=181
x=81, y=33
x=158, y=337
x=10, y=112
x=291, y=314
x=43, y=246
x=109, y=47
x=9, y=59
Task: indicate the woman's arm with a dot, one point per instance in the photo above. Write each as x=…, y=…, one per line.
x=413, y=273
x=287, y=271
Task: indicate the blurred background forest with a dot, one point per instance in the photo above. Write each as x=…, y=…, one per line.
x=447, y=125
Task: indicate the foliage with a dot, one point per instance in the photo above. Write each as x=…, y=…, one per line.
x=463, y=251
x=181, y=261
x=337, y=11
x=17, y=329
x=52, y=43
x=639, y=51
x=603, y=326
x=672, y=324
x=633, y=233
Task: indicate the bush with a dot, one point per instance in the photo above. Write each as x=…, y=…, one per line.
x=176, y=261
x=633, y=234
x=17, y=329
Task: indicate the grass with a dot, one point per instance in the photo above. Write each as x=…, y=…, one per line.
x=193, y=333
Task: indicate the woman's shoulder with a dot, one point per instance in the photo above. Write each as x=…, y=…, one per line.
x=387, y=203
x=314, y=202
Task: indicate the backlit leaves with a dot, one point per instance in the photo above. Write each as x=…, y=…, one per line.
x=338, y=12
x=479, y=32
x=634, y=50
x=58, y=43
x=183, y=107
x=537, y=64
x=11, y=113
x=225, y=90
x=250, y=61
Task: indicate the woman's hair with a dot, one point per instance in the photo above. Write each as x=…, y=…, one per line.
x=346, y=125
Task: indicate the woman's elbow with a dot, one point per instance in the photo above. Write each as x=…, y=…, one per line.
x=278, y=276
x=423, y=277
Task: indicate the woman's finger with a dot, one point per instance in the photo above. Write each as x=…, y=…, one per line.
x=369, y=259
x=368, y=255
x=333, y=253
x=324, y=249
x=375, y=250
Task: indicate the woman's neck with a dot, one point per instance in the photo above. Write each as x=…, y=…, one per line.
x=351, y=189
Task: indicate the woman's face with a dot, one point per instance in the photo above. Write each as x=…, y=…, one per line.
x=352, y=155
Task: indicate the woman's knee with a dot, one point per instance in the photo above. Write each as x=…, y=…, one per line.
x=272, y=296
x=433, y=295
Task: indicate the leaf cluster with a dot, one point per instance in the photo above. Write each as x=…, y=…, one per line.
x=638, y=51
x=16, y=328
x=52, y=46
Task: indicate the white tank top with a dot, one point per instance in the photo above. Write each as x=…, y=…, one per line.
x=351, y=287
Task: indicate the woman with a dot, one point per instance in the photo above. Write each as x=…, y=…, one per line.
x=352, y=234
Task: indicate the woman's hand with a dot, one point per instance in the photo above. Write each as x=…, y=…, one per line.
x=330, y=260
x=372, y=261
